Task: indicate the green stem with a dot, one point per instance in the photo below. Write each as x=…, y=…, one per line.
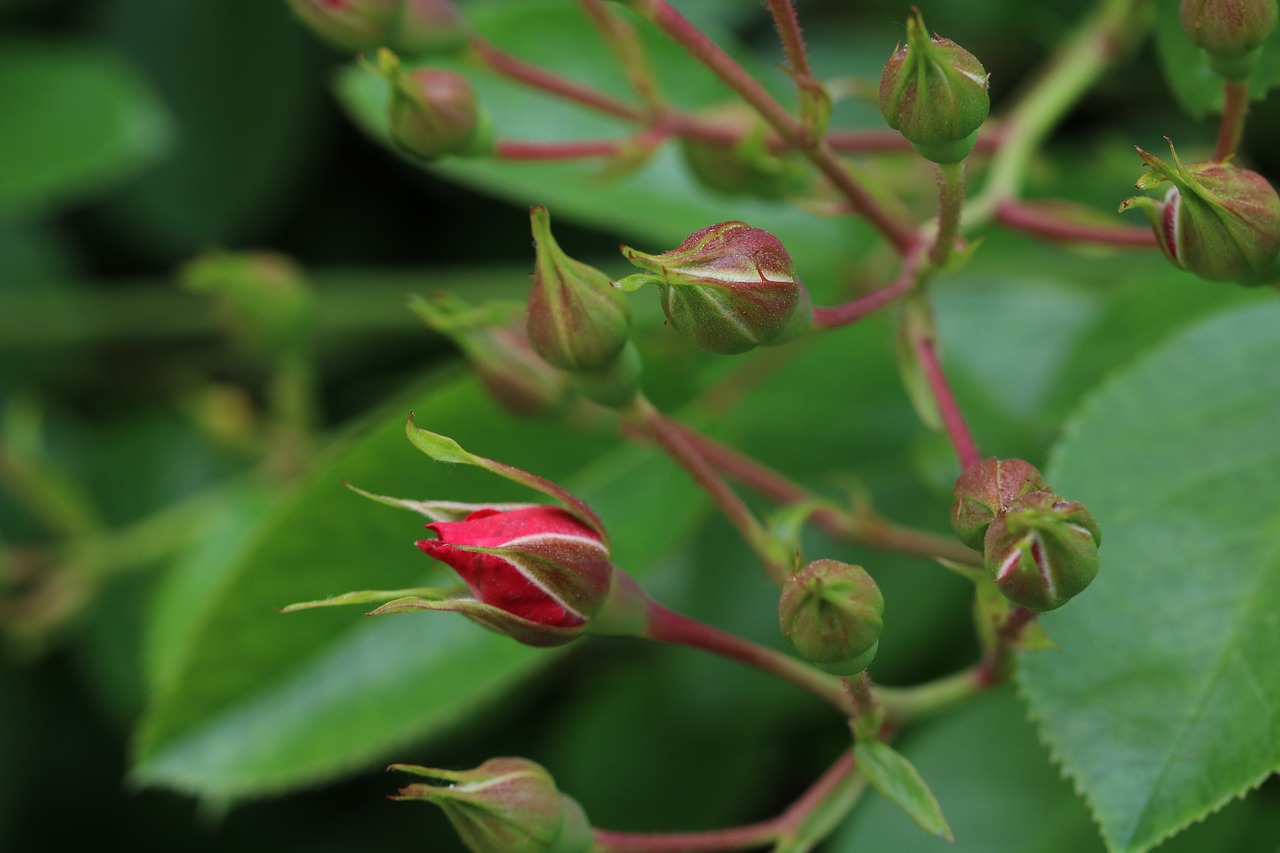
x=868, y=714
x=1235, y=94
x=895, y=225
x=905, y=705
x=1070, y=73
x=676, y=443
x=622, y=40
x=995, y=664
x=950, y=201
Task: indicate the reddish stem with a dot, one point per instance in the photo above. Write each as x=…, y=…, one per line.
x=851, y=312
x=1235, y=95
x=1032, y=220
x=735, y=838
x=513, y=150
x=992, y=668
x=537, y=78
x=957, y=431
x=788, y=25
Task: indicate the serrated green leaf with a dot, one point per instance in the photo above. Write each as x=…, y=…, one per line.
x=1162, y=703
x=898, y=780
x=77, y=119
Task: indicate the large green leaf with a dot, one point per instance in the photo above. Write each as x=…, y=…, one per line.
x=253, y=701
x=76, y=119
x=1164, y=701
x=660, y=202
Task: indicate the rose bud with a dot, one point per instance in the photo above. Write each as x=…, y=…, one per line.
x=1231, y=32
x=433, y=113
x=934, y=93
x=1042, y=551
x=742, y=165
x=536, y=573
x=577, y=319
x=1217, y=220
x=831, y=613
x=412, y=27
x=506, y=805
x=728, y=287
x=984, y=490
x=492, y=337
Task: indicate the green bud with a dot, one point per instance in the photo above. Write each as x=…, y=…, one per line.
x=1217, y=220
x=506, y=805
x=493, y=339
x=577, y=320
x=1042, y=551
x=984, y=490
x=412, y=27
x=832, y=613
x=1231, y=32
x=728, y=287
x=934, y=93
x=262, y=298
x=745, y=166
x=432, y=112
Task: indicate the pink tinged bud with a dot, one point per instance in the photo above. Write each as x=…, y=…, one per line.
x=728, y=287
x=506, y=805
x=537, y=573
x=1217, y=220
x=1043, y=551
x=412, y=27
x=433, y=113
x=492, y=337
x=832, y=613
x=1231, y=32
x=985, y=490
x=934, y=93
x=577, y=320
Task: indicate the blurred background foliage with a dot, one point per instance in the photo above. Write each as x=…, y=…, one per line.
x=158, y=496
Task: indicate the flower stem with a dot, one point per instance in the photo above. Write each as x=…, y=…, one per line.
x=507, y=149
x=675, y=442
x=957, y=430
x=621, y=39
x=994, y=666
x=666, y=626
x=788, y=25
x=537, y=78
x=1114, y=26
x=851, y=312
x=905, y=705
x=895, y=226
x=1235, y=94
x=868, y=714
x=1032, y=220
x=950, y=201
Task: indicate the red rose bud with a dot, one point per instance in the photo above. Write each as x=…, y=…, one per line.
x=577, y=320
x=537, y=573
x=1043, y=551
x=492, y=337
x=831, y=613
x=1231, y=32
x=727, y=288
x=934, y=93
x=407, y=26
x=432, y=113
x=506, y=805
x=1218, y=221
x=983, y=492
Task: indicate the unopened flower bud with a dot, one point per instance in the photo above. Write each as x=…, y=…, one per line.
x=506, y=805
x=433, y=113
x=577, y=320
x=728, y=287
x=1217, y=220
x=984, y=490
x=745, y=166
x=1042, y=551
x=832, y=613
x=492, y=336
x=263, y=298
x=411, y=27
x=536, y=573
x=934, y=92
x=1231, y=32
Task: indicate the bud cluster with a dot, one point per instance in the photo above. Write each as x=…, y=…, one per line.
x=1040, y=550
